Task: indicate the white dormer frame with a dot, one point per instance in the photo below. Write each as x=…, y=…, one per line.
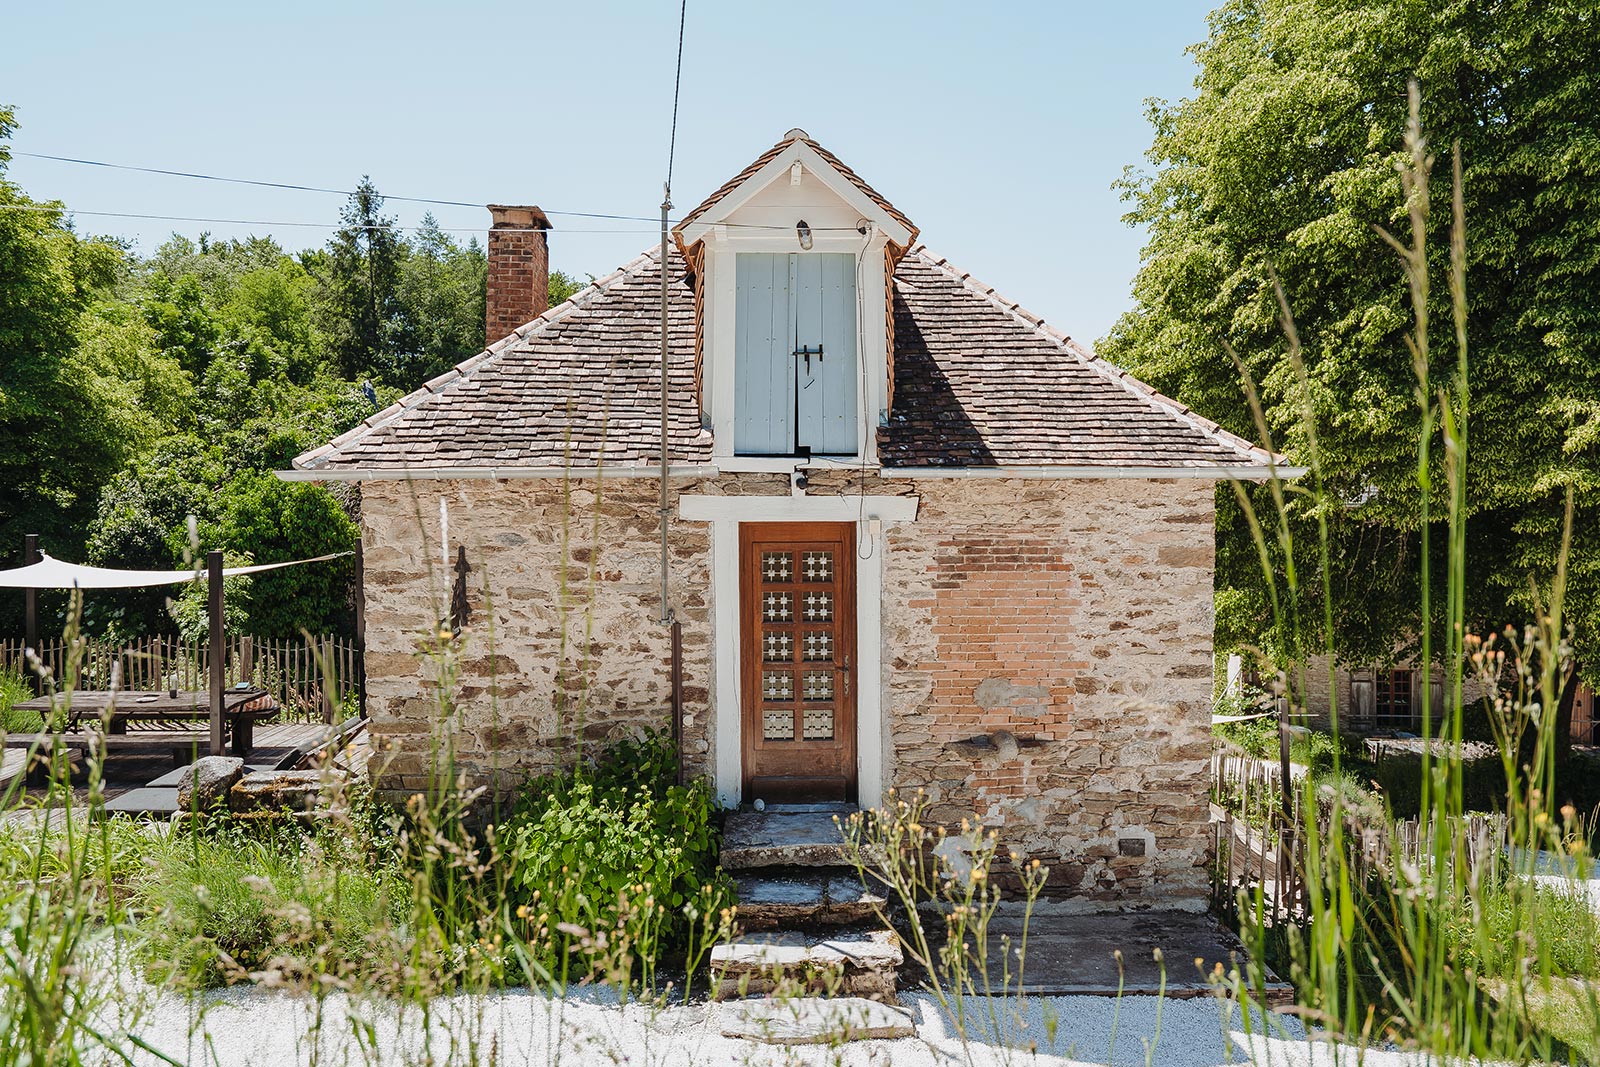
x=718, y=228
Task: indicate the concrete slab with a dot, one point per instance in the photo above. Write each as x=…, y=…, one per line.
x=151, y=800
x=1076, y=954
x=815, y=1021
x=780, y=838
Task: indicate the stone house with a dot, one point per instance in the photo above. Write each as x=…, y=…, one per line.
x=915, y=537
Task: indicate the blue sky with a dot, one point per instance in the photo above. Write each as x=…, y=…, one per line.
x=998, y=130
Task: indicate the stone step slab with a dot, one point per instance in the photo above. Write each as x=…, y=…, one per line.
x=816, y=1021
x=805, y=900
x=780, y=837
x=847, y=964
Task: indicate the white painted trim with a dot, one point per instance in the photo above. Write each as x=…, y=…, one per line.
x=736, y=464
x=1260, y=472
x=498, y=474
x=776, y=169
x=725, y=514
x=725, y=697
x=697, y=508
x=870, y=679
x=787, y=464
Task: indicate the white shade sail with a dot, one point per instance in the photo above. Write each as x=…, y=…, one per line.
x=51, y=573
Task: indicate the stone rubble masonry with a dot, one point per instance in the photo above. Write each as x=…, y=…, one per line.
x=1069, y=625
x=517, y=285
x=1046, y=643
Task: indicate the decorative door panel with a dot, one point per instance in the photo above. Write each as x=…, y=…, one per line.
x=797, y=641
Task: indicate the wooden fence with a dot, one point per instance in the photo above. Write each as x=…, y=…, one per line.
x=1257, y=844
x=311, y=678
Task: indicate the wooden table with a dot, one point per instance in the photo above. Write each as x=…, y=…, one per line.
x=144, y=711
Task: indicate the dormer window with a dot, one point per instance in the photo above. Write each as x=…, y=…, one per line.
x=790, y=262
x=796, y=354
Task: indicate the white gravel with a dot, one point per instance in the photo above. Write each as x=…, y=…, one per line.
x=245, y=1027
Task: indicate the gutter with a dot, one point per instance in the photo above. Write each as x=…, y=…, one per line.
x=1248, y=473
x=498, y=474
x=1243, y=473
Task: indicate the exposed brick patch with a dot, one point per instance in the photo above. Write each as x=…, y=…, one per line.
x=1043, y=612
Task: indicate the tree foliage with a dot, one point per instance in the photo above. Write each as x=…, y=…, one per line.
x=144, y=402
x=1284, y=162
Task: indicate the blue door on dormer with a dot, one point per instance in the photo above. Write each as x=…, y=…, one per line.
x=796, y=367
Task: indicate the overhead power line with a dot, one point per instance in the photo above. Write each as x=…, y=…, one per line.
x=297, y=187
x=263, y=222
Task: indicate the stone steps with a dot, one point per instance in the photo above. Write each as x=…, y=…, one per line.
x=784, y=836
x=861, y=964
x=798, y=898
x=807, y=924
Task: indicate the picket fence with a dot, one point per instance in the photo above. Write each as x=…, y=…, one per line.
x=312, y=678
x=1256, y=843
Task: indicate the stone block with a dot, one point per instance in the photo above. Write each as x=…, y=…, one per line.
x=207, y=781
x=282, y=790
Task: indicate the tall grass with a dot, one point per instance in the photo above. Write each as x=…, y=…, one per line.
x=1434, y=955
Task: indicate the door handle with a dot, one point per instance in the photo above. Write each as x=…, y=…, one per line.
x=847, y=676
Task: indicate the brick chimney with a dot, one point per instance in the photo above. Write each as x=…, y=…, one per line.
x=518, y=288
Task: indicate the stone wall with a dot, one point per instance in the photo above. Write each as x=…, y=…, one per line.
x=1049, y=652
x=1046, y=648
x=564, y=645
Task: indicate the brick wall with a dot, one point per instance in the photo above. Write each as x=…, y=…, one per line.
x=1050, y=653
x=517, y=287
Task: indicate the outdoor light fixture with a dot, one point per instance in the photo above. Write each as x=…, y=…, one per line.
x=803, y=231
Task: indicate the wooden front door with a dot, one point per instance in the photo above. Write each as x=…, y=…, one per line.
x=797, y=640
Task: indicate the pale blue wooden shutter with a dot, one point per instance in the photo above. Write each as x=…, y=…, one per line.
x=763, y=363
x=784, y=402
x=825, y=318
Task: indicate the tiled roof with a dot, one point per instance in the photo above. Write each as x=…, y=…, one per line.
x=766, y=157
x=981, y=382
x=978, y=382
x=579, y=385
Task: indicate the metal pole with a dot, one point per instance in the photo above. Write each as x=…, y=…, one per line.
x=666, y=206
x=218, y=652
x=361, y=624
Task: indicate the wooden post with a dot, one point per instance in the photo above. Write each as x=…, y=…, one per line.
x=30, y=610
x=247, y=660
x=218, y=651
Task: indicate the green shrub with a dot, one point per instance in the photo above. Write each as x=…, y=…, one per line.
x=220, y=903
x=14, y=689
x=1509, y=927
x=614, y=859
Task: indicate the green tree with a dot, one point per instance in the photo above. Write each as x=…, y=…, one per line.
x=442, y=292
x=563, y=286
x=68, y=414
x=359, y=272
x=1284, y=162
x=271, y=520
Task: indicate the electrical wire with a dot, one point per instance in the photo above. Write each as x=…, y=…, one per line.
x=297, y=187
x=265, y=222
x=677, y=83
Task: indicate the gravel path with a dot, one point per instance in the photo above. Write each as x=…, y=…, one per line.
x=254, y=1028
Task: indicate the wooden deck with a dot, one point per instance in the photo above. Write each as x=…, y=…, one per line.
x=145, y=781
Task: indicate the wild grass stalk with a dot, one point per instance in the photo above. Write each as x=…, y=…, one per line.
x=1408, y=946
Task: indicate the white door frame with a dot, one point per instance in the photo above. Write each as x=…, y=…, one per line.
x=725, y=513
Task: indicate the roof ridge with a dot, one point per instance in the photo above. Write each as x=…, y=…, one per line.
x=444, y=382
x=1096, y=363
x=792, y=136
